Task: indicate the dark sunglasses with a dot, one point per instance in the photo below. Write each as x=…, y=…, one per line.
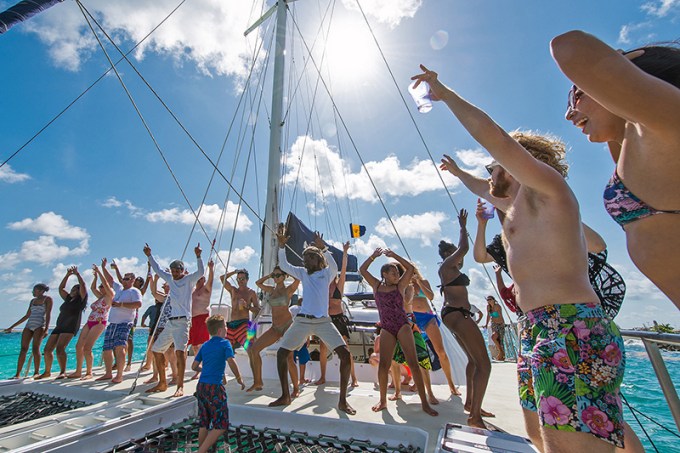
x=573, y=97
x=278, y=275
x=127, y=278
x=490, y=167
x=241, y=279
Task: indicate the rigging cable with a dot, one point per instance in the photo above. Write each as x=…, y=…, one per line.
x=49, y=123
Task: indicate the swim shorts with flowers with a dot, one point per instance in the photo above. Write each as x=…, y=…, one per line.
x=570, y=368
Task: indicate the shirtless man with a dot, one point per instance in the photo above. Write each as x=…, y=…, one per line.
x=243, y=302
x=547, y=257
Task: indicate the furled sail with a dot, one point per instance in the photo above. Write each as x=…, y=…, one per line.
x=23, y=11
x=300, y=236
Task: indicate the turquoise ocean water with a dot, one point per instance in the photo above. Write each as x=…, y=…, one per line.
x=640, y=386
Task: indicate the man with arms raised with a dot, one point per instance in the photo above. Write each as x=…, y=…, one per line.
x=177, y=327
x=316, y=276
x=571, y=359
x=243, y=302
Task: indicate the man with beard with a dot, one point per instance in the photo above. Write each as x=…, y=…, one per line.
x=566, y=341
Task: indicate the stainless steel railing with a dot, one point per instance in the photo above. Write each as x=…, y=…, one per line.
x=651, y=341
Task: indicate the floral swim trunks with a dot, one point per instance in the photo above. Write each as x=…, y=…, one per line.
x=213, y=411
x=570, y=368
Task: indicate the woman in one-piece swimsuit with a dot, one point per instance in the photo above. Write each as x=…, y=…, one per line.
x=278, y=297
x=395, y=326
x=38, y=318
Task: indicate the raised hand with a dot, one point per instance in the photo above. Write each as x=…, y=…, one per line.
x=497, y=269
x=450, y=165
x=197, y=250
x=281, y=235
x=147, y=250
x=104, y=261
x=211, y=264
x=479, y=212
x=462, y=218
x=114, y=265
x=389, y=253
x=318, y=241
x=345, y=247
x=377, y=252
x=437, y=90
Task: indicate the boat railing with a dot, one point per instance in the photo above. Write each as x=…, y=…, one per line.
x=651, y=341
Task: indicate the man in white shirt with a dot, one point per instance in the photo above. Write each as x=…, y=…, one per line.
x=316, y=275
x=177, y=327
x=121, y=316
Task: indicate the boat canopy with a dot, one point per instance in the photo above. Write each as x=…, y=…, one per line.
x=301, y=236
x=23, y=11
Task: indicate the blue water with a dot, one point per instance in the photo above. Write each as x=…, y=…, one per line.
x=640, y=386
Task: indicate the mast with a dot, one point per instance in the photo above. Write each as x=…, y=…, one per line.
x=271, y=216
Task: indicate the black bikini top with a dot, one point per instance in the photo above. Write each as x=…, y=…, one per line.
x=336, y=294
x=461, y=280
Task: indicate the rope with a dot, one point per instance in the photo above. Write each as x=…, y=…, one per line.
x=638, y=422
x=49, y=123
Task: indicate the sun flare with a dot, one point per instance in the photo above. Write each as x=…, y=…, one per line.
x=351, y=53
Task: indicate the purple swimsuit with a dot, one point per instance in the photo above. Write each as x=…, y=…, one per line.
x=391, y=311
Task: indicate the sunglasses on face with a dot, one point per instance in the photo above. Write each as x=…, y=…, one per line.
x=241, y=279
x=278, y=275
x=573, y=97
x=127, y=278
x=490, y=168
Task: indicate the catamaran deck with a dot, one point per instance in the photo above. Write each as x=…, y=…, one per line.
x=321, y=401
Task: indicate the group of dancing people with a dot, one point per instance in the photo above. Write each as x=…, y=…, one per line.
x=571, y=358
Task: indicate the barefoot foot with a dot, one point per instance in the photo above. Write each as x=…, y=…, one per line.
x=151, y=380
x=395, y=397
x=75, y=375
x=455, y=391
x=179, y=392
x=157, y=388
x=117, y=380
x=196, y=375
x=320, y=381
x=355, y=383
x=296, y=392
x=128, y=367
x=476, y=422
x=44, y=376
x=106, y=377
x=87, y=377
x=429, y=411
x=61, y=376
x=484, y=413
x=346, y=408
x=380, y=406
x=283, y=401
x=255, y=388
x=432, y=399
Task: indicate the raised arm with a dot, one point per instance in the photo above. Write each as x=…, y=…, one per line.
x=167, y=276
x=82, y=288
x=405, y=279
x=343, y=268
x=62, y=286
x=463, y=245
x=108, y=292
x=499, y=277
x=225, y=281
x=505, y=149
x=423, y=285
x=93, y=286
x=145, y=286
x=115, y=267
x=211, y=274
x=295, y=271
x=363, y=269
x=476, y=185
x=612, y=80
x=321, y=245
x=260, y=283
x=154, y=289
x=200, y=268
x=479, y=249
x=106, y=273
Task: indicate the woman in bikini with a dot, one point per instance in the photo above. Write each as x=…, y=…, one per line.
x=457, y=317
x=278, y=298
x=429, y=323
x=494, y=314
x=38, y=316
x=632, y=102
x=95, y=325
x=395, y=325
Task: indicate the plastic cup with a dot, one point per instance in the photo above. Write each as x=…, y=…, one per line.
x=489, y=210
x=421, y=95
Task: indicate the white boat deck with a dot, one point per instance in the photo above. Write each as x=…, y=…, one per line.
x=321, y=401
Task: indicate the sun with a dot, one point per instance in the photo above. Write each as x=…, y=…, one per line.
x=351, y=53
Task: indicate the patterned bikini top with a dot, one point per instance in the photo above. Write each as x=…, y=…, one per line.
x=623, y=206
x=100, y=311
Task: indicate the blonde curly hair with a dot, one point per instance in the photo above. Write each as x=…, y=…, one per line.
x=549, y=149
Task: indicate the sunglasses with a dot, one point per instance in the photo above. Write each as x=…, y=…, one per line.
x=127, y=278
x=278, y=275
x=241, y=279
x=490, y=167
x=573, y=97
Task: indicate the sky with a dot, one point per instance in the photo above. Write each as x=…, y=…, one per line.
x=101, y=182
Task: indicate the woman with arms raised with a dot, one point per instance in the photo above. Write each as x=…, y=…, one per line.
x=395, y=325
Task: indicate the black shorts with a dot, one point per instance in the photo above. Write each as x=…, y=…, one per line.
x=341, y=323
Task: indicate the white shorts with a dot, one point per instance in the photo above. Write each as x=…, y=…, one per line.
x=176, y=332
x=302, y=328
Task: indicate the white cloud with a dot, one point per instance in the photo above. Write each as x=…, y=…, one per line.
x=312, y=161
x=46, y=250
x=390, y=12
x=630, y=29
x=208, y=33
x=8, y=175
x=425, y=226
x=366, y=246
x=475, y=160
x=239, y=257
x=661, y=8
x=113, y=202
x=210, y=217
x=51, y=224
